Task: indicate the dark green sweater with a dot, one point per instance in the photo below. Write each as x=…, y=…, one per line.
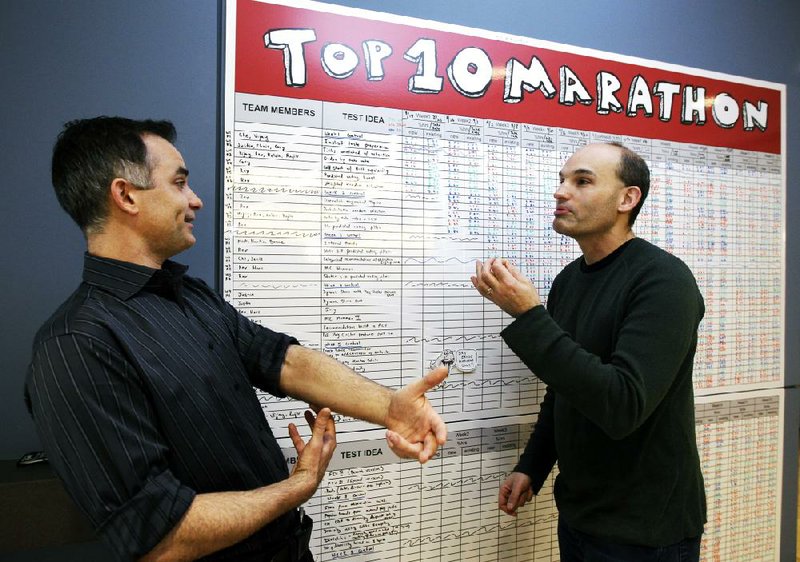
x=616, y=347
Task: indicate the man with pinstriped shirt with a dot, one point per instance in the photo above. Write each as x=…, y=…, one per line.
x=140, y=384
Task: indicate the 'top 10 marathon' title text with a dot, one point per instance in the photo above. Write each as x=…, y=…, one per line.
x=471, y=70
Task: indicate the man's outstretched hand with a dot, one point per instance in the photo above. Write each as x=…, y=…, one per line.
x=414, y=429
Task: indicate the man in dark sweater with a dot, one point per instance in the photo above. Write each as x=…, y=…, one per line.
x=615, y=347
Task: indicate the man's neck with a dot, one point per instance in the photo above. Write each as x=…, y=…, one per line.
x=122, y=248
x=596, y=248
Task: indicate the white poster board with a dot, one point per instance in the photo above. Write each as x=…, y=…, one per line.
x=370, y=159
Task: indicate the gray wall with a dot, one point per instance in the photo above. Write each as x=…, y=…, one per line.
x=65, y=60
x=150, y=58
x=156, y=58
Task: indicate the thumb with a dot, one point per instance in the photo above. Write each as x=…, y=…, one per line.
x=430, y=380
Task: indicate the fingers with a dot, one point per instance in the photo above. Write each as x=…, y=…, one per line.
x=502, y=499
x=329, y=437
x=500, y=269
x=401, y=447
x=422, y=451
x=315, y=454
x=515, y=492
x=297, y=441
x=513, y=501
x=438, y=434
x=320, y=424
x=487, y=276
x=478, y=268
x=508, y=499
x=491, y=275
x=323, y=432
x=439, y=429
x=517, y=274
x=496, y=273
x=429, y=447
x=322, y=427
x=483, y=280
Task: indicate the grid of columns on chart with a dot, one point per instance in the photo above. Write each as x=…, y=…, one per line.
x=356, y=230
x=740, y=439
x=372, y=506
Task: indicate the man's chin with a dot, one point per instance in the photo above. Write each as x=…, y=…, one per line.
x=560, y=227
x=188, y=242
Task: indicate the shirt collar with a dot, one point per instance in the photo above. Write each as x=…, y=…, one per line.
x=610, y=258
x=124, y=279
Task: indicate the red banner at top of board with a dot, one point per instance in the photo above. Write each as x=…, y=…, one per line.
x=308, y=54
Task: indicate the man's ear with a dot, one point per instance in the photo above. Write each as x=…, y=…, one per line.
x=631, y=195
x=123, y=196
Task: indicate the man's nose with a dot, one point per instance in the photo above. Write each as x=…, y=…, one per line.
x=194, y=201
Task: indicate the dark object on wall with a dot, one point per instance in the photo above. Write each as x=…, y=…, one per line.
x=35, y=510
x=35, y=457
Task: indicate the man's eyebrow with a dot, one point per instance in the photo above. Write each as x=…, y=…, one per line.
x=577, y=172
x=181, y=171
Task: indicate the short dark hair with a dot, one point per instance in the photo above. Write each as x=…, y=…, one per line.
x=90, y=153
x=633, y=170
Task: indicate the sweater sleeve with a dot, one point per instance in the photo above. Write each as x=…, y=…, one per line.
x=540, y=453
x=657, y=329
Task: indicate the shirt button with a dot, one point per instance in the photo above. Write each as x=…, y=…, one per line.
x=236, y=386
x=210, y=345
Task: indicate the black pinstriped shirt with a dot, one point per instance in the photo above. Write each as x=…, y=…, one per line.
x=141, y=390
